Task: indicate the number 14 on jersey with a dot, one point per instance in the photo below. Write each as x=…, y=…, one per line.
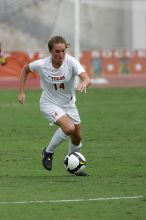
x=58, y=86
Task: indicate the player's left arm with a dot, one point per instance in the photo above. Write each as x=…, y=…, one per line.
x=84, y=83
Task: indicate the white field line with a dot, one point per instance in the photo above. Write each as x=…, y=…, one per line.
x=72, y=200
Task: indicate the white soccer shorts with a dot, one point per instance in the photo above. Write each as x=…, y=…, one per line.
x=53, y=112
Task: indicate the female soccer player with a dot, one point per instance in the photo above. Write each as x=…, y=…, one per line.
x=57, y=101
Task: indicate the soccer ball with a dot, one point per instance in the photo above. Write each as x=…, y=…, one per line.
x=74, y=162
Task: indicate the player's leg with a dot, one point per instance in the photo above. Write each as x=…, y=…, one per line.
x=75, y=137
x=66, y=128
x=75, y=145
x=54, y=115
x=75, y=140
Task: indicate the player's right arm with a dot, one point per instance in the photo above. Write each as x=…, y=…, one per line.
x=23, y=76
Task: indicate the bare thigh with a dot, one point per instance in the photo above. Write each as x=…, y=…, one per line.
x=65, y=123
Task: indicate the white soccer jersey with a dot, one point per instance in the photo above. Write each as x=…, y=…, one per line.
x=58, y=84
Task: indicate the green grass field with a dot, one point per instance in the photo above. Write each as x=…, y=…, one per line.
x=114, y=140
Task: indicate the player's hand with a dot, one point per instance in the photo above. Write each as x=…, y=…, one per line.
x=81, y=87
x=21, y=98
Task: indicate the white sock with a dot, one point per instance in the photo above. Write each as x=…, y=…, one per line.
x=74, y=148
x=58, y=137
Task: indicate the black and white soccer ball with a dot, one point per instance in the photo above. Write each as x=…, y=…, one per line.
x=74, y=162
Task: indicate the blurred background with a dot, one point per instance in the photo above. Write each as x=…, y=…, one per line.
x=108, y=36
x=103, y=23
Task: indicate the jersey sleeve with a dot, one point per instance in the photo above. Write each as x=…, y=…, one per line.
x=35, y=66
x=77, y=67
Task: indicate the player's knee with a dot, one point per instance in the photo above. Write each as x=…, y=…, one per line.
x=69, y=130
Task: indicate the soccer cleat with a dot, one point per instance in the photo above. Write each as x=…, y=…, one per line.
x=81, y=173
x=47, y=159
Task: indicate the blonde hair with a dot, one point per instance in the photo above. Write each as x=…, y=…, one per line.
x=57, y=40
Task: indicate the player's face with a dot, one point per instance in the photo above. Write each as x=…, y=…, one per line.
x=58, y=54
